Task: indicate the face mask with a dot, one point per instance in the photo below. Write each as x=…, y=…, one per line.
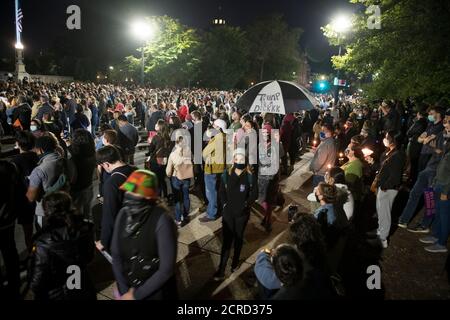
x=347, y=152
x=209, y=133
x=240, y=166
x=386, y=142
x=33, y=128
x=322, y=135
x=431, y=118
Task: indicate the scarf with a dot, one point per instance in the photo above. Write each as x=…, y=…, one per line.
x=137, y=210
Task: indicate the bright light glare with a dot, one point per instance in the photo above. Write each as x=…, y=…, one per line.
x=19, y=46
x=111, y=68
x=341, y=24
x=322, y=85
x=143, y=30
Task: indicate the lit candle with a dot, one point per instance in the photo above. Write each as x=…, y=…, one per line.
x=341, y=155
x=329, y=166
x=314, y=143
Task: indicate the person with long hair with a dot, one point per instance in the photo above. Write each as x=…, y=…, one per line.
x=238, y=190
x=180, y=170
x=159, y=151
x=66, y=240
x=82, y=152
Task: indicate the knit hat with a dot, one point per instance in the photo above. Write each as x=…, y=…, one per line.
x=143, y=183
x=221, y=124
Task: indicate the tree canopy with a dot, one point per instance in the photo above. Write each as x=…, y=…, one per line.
x=406, y=57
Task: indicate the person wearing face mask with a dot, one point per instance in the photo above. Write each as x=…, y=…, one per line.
x=214, y=155
x=46, y=177
x=36, y=128
x=144, y=243
x=387, y=183
x=239, y=190
x=441, y=184
x=435, y=127
x=414, y=147
x=325, y=155
x=110, y=160
x=354, y=167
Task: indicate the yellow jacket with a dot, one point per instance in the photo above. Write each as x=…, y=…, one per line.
x=214, y=154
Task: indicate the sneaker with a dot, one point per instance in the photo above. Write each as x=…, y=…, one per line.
x=186, y=220
x=402, y=225
x=428, y=240
x=419, y=229
x=436, y=248
x=179, y=224
x=206, y=219
x=385, y=244
x=219, y=275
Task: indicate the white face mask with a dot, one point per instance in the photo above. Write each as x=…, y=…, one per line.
x=209, y=133
x=33, y=128
x=386, y=142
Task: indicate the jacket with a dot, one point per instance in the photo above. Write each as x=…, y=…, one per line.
x=23, y=114
x=180, y=164
x=325, y=155
x=391, y=172
x=442, y=178
x=153, y=119
x=54, y=251
x=112, y=202
x=161, y=241
x=238, y=193
x=45, y=108
x=215, y=154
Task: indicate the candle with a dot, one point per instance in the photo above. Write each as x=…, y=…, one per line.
x=341, y=155
x=314, y=143
x=367, y=152
x=329, y=166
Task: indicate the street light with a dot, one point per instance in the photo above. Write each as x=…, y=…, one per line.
x=143, y=31
x=340, y=24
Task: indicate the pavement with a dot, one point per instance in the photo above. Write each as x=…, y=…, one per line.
x=408, y=272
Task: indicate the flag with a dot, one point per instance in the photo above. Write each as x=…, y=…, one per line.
x=19, y=17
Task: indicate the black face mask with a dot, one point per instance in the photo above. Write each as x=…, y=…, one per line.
x=240, y=166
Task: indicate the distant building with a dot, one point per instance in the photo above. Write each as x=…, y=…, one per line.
x=219, y=19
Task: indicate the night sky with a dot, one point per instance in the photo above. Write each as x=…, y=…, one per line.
x=105, y=35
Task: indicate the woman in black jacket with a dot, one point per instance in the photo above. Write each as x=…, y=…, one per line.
x=238, y=191
x=65, y=241
x=414, y=147
x=387, y=182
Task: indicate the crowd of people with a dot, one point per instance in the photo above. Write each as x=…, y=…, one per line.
x=69, y=136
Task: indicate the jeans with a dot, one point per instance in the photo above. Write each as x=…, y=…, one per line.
x=317, y=179
x=385, y=200
x=441, y=225
x=211, y=195
x=82, y=200
x=423, y=181
x=181, y=192
x=11, y=259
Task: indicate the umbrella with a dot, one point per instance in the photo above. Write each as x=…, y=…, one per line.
x=276, y=97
